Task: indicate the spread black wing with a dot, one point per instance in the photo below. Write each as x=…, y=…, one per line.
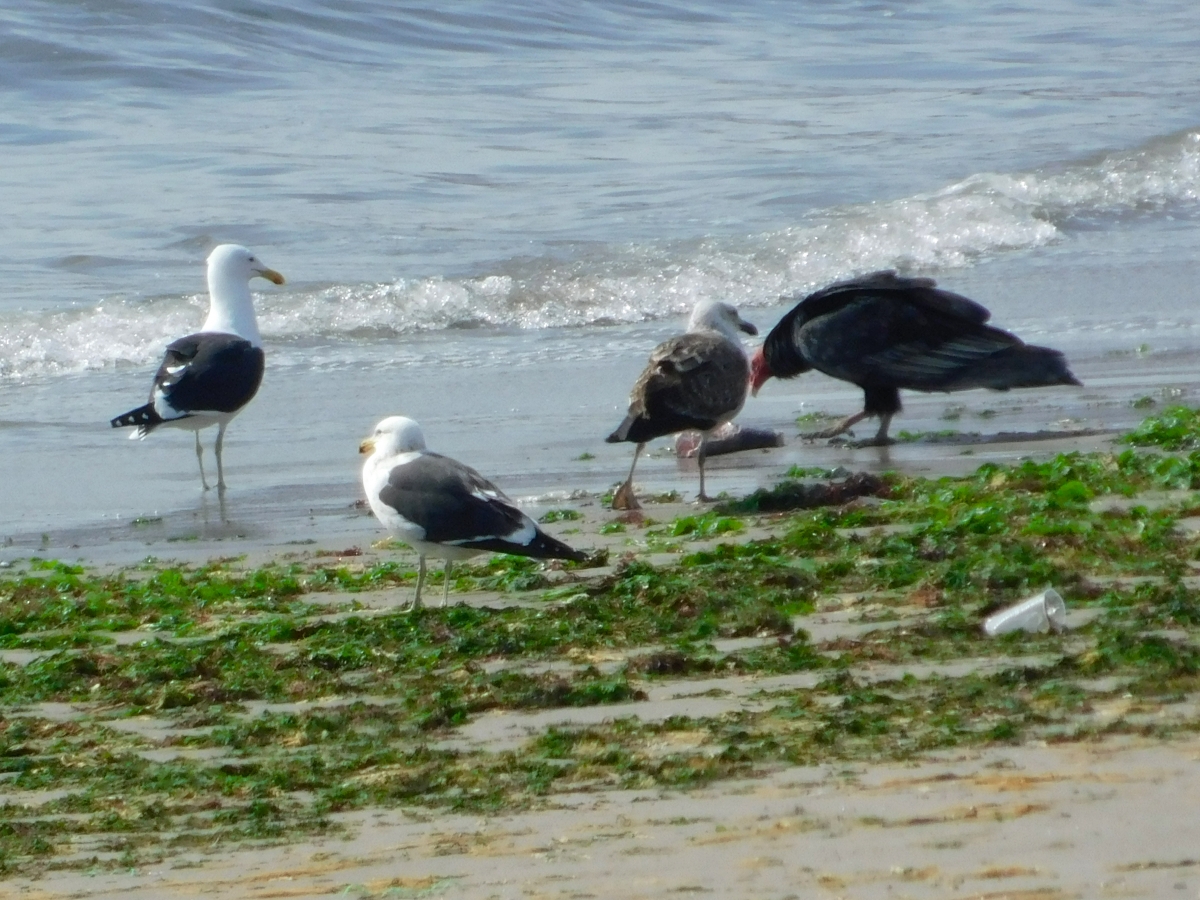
x=887, y=331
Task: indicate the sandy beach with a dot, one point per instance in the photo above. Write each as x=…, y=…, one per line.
x=1034, y=823
x=1107, y=817
x=78, y=490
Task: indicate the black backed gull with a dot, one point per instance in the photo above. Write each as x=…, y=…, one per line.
x=206, y=378
x=442, y=508
x=696, y=381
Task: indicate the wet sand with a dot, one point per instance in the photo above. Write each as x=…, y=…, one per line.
x=529, y=408
x=1115, y=819
x=295, y=484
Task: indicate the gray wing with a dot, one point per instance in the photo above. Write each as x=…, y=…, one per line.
x=458, y=506
x=452, y=502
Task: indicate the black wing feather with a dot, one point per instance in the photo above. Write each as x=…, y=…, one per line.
x=877, y=341
x=444, y=497
x=885, y=331
x=210, y=372
x=915, y=291
x=784, y=347
x=456, y=505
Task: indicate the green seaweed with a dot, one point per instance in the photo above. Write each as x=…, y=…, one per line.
x=287, y=702
x=560, y=515
x=1176, y=428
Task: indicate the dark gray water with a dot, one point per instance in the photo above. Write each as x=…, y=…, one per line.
x=498, y=185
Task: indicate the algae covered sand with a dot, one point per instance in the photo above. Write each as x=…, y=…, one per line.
x=159, y=720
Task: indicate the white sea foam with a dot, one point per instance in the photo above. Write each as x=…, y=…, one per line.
x=980, y=217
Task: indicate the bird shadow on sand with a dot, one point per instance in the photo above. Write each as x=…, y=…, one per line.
x=213, y=521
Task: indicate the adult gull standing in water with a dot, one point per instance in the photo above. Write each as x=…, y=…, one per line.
x=208, y=377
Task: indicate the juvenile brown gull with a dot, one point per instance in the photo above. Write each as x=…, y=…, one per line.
x=696, y=381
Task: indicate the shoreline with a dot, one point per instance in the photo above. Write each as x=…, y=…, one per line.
x=527, y=409
x=137, y=498
x=496, y=748
x=488, y=216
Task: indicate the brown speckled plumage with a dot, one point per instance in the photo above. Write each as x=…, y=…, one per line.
x=696, y=381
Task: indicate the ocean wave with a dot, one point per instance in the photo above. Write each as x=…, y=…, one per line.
x=195, y=47
x=983, y=216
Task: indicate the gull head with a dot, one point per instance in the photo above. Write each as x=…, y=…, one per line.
x=233, y=262
x=394, y=435
x=713, y=315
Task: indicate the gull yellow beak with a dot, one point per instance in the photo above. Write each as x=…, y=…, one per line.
x=271, y=275
x=367, y=446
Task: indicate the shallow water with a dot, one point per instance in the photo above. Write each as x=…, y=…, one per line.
x=488, y=215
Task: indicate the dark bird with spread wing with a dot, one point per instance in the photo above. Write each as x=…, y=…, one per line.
x=884, y=332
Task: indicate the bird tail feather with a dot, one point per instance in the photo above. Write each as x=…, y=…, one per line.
x=145, y=419
x=1019, y=366
x=622, y=432
x=543, y=546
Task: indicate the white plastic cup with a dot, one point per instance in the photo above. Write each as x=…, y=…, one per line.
x=1043, y=612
